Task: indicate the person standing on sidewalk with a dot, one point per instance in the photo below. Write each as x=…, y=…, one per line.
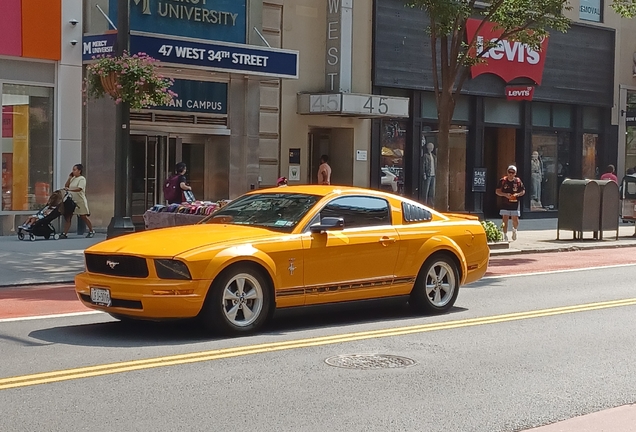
x=324, y=171
x=76, y=184
x=510, y=188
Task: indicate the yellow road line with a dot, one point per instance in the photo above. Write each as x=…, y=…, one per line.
x=179, y=359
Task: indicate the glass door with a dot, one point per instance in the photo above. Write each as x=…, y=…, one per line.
x=153, y=158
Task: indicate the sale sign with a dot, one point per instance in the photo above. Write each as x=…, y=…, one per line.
x=508, y=59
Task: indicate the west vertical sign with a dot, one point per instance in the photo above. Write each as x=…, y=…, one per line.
x=339, y=46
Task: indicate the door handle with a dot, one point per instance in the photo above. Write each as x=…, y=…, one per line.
x=385, y=239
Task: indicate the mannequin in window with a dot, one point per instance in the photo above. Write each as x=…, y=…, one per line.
x=536, y=178
x=428, y=175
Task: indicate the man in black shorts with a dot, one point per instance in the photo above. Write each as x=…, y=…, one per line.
x=511, y=189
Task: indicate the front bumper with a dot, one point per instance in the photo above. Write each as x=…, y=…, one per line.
x=134, y=297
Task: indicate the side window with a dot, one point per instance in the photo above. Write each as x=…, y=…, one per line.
x=359, y=211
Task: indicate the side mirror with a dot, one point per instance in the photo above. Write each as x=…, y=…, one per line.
x=328, y=224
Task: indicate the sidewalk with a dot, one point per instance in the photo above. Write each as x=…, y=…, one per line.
x=539, y=235
x=42, y=261
x=55, y=261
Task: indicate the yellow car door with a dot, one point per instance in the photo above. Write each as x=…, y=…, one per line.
x=353, y=262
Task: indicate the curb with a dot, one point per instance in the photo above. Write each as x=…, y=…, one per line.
x=34, y=284
x=502, y=252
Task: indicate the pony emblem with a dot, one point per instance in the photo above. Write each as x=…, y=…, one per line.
x=112, y=264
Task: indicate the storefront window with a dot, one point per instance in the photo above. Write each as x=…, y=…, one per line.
x=591, y=118
x=27, y=146
x=549, y=166
x=500, y=111
x=590, y=167
x=540, y=114
x=630, y=133
x=429, y=107
x=561, y=116
x=393, y=141
x=457, y=167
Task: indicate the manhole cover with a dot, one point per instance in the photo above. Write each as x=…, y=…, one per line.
x=369, y=361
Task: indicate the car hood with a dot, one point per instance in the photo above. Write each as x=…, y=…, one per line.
x=170, y=242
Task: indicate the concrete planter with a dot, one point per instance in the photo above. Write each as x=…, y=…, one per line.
x=499, y=245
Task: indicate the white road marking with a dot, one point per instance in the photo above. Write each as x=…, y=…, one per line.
x=556, y=271
x=38, y=317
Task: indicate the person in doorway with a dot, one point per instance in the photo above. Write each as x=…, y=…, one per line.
x=76, y=185
x=176, y=185
x=536, y=176
x=511, y=189
x=609, y=174
x=428, y=175
x=324, y=171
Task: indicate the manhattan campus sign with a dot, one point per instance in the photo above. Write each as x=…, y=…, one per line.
x=508, y=60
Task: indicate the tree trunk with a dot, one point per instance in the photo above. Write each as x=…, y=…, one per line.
x=442, y=174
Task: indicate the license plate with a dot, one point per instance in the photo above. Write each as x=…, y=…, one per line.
x=100, y=296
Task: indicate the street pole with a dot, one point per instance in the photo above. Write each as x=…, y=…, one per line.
x=121, y=223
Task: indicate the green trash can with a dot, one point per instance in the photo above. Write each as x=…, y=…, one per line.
x=609, y=207
x=579, y=207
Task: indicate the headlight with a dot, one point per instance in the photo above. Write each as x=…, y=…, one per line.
x=172, y=269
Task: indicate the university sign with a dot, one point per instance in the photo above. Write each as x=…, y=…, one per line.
x=509, y=59
x=198, y=97
x=222, y=20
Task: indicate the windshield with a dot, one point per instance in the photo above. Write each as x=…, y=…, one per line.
x=279, y=211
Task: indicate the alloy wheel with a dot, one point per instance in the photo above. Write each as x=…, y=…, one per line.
x=242, y=300
x=440, y=284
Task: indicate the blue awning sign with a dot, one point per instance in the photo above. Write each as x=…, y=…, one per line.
x=225, y=57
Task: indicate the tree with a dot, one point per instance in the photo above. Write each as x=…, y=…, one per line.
x=525, y=21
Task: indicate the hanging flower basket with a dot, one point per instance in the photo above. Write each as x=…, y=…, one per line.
x=132, y=79
x=109, y=83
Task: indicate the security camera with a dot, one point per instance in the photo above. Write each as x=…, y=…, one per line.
x=73, y=42
x=73, y=22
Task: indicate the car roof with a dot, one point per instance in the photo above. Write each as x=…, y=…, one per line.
x=327, y=190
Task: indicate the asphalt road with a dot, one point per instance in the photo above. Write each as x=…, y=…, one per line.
x=510, y=356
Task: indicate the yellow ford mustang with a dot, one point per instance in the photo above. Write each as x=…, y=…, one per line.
x=286, y=247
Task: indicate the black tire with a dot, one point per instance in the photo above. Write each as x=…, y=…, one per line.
x=20, y=236
x=440, y=296
x=223, y=300
x=31, y=237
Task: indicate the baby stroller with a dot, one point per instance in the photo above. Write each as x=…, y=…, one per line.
x=41, y=223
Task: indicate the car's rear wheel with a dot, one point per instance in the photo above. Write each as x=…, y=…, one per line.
x=239, y=301
x=437, y=285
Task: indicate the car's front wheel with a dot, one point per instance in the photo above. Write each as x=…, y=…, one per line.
x=239, y=301
x=437, y=285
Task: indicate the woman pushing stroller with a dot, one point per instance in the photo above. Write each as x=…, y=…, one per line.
x=40, y=224
x=76, y=184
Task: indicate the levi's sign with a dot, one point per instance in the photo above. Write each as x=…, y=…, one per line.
x=519, y=92
x=509, y=59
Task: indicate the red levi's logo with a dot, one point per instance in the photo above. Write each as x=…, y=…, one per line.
x=519, y=92
x=508, y=60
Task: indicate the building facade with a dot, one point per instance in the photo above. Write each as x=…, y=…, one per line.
x=224, y=123
x=569, y=127
x=41, y=84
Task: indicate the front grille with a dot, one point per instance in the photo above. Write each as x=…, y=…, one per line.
x=117, y=265
x=127, y=304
